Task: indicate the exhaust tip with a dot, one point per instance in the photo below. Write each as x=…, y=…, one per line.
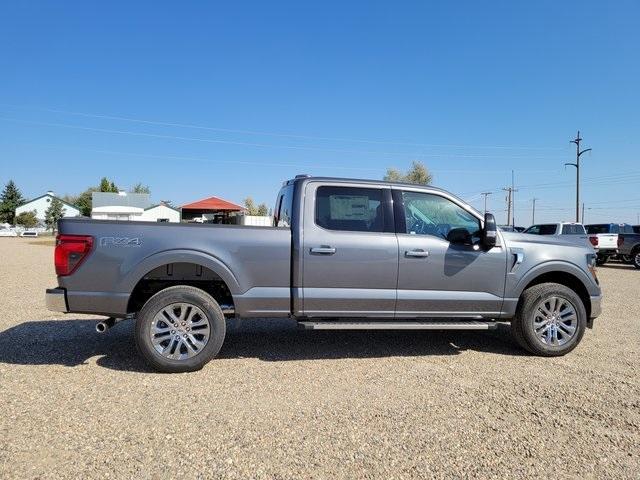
x=105, y=325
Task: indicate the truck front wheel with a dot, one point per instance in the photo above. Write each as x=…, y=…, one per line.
x=550, y=320
x=180, y=329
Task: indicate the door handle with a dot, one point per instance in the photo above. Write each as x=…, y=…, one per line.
x=324, y=250
x=416, y=253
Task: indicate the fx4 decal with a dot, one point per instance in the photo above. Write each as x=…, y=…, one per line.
x=120, y=242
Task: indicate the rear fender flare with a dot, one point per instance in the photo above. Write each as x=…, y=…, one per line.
x=180, y=256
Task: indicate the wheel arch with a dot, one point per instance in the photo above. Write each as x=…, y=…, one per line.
x=180, y=268
x=563, y=275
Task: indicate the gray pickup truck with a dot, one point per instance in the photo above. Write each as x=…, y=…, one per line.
x=629, y=246
x=342, y=254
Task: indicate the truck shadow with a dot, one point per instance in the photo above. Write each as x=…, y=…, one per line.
x=73, y=342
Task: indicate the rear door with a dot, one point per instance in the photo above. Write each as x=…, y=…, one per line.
x=435, y=277
x=350, y=251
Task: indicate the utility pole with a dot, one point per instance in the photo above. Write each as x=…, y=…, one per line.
x=513, y=201
x=533, y=212
x=579, y=152
x=486, y=194
x=582, y=212
x=511, y=214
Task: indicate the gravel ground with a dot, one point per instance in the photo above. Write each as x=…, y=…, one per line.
x=286, y=403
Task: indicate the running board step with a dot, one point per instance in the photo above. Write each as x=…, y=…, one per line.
x=415, y=325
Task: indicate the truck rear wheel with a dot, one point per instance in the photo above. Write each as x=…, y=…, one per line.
x=550, y=320
x=635, y=258
x=180, y=329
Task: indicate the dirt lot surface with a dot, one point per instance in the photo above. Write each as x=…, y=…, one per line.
x=285, y=403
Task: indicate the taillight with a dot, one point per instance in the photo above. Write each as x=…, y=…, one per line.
x=71, y=250
x=594, y=241
x=620, y=241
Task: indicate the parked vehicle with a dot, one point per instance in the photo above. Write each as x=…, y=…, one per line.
x=604, y=236
x=8, y=232
x=510, y=228
x=342, y=254
x=629, y=247
x=570, y=231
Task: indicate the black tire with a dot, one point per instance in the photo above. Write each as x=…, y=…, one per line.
x=522, y=325
x=601, y=259
x=627, y=259
x=176, y=295
x=635, y=258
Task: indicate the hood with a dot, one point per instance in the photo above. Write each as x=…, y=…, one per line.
x=551, y=240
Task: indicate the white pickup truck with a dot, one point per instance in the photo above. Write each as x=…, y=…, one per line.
x=604, y=237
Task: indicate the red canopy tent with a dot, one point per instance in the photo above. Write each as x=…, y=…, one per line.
x=212, y=209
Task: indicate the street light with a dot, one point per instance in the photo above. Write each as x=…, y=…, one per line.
x=577, y=165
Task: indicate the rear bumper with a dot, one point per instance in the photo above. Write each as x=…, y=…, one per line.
x=56, y=300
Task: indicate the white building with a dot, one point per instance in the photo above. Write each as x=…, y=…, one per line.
x=161, y=213
x=131, y=207
x=117, y=212
x=42, y=203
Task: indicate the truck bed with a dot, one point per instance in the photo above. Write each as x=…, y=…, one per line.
x=253, y=262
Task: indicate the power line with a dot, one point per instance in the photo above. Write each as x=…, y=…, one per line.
x=274, y=134
x=251, y=144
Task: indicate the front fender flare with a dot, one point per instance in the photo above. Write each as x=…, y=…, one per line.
x=550, y=267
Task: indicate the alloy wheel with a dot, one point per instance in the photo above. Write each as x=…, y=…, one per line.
x=555, y=321
x=180, y=331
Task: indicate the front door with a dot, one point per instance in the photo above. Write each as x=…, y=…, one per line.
x=437, y=278
x=350, y=251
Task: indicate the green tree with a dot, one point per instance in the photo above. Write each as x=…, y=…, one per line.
x=84, y=201
x=53, y=214
x=10, y=199
x=140, y=188
x=104, y=185
x=252, y=209
x=418, y=174
x=250, y=206
x=263, y=210
x=107, y=186
x=27, y=219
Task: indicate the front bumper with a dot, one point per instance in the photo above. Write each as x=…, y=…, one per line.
x=56, y=300
x=596, y=306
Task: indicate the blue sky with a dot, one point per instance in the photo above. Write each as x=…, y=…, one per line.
x=229, y=99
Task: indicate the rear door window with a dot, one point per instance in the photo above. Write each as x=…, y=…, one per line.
x=350, y=209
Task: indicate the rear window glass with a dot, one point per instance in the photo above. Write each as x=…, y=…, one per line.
x=350, y=209
x=284, y=206
x=573, y=230
x=546, y=229
x=603, y=228
x=626, y=229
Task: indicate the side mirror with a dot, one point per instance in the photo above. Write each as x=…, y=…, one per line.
x=490, y=231
x=459, y=236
